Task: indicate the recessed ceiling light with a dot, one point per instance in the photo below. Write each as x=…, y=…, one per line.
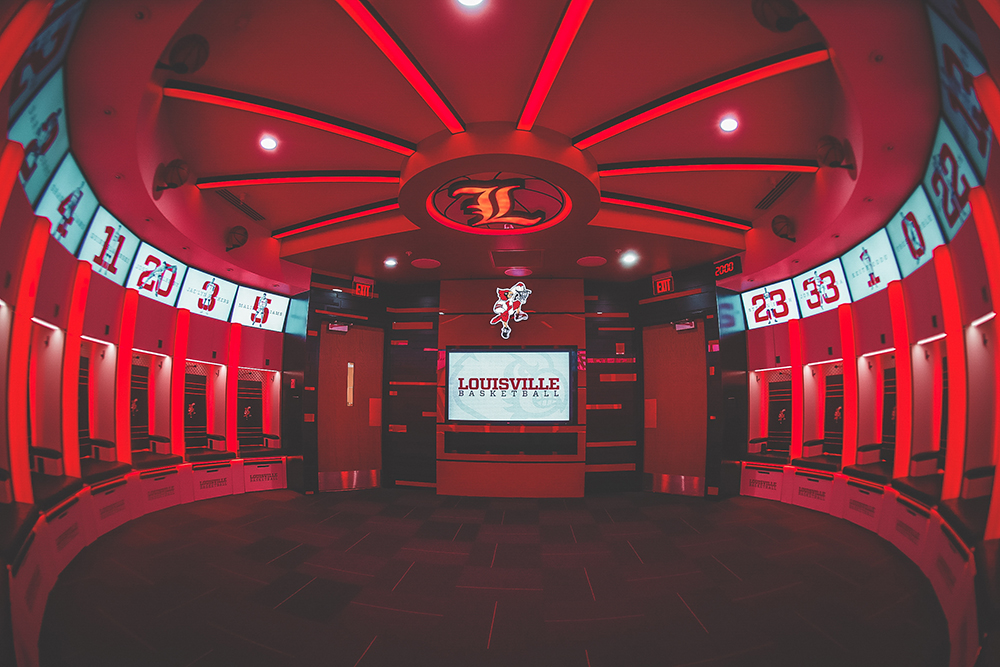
x=728, y=124
x=425, y=263
x=592, y=260
x=268, y=143
x=470, y=3
x=390, y=262
x=518, y=272
x=629, y=258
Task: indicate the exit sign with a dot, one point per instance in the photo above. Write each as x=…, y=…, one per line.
x=364, y=287
x=663, y=283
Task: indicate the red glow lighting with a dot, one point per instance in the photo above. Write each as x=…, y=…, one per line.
x=674, y=209
x=951, y=307
x=265, y=107
x=366, y=18
x=296, y=177
x=342, y=216
x=680, y=166
x=570, y=24
x=709, y=88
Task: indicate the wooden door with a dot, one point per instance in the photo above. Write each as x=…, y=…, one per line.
x=349, y=417
x=676, y=408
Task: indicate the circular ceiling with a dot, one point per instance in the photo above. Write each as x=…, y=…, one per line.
x=519, y=133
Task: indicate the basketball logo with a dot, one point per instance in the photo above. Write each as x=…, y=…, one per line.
x=498, y=203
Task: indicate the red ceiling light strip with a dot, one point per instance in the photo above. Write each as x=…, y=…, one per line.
x=763, y=69
x=341, y=216
x=369, y=21
x=674, y=209
x=570, y=24
x=295, y=177
x=710, y=164
x=194, y=92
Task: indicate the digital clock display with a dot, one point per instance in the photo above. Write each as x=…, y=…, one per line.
x=728, y=267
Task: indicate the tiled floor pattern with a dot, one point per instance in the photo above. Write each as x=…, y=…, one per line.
x=393, y=577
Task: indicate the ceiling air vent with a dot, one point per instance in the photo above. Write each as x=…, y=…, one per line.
x=505, y=259
x=778, y=190
x=242, y=206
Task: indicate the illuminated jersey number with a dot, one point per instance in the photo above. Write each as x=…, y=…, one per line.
x=207, y=302
x=821, y=291
x=101, y=259
x=151, y=279
x=831, y=293
x=776, y=307
x=941, y=187
x=976, y=119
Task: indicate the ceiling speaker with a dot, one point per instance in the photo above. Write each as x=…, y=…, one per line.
x=187, y=56
x=777, y=15
x=831, y=152
x=783, y=227
x=236, y=237
x=170, y=176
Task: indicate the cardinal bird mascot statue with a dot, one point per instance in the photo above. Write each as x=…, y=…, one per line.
x=508, y=307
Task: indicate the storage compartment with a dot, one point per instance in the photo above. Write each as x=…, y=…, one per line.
x=761, y=481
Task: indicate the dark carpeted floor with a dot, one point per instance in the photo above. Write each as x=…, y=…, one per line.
x=398, y=577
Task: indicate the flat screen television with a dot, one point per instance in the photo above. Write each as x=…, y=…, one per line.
x=511, y=386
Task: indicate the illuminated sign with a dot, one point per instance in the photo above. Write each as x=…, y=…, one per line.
x=509, y=386
x=45, y=53
x=728, y=267
x=769, y=305
x=822, y=289
x=109, y=247
x=259, y=309
x=207, y=295
x=957, y=69
x=364, y=287
x=69, y=204
x=498, y=204
x=508, y=307
x=870, y=266
x=156, y=275
x=914, y=233
x=957, y=15
x=663, y=283
x=41, y=129
x=948, y=179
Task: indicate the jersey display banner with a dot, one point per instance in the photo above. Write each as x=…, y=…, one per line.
x=914, y=233
x=45, y=53
x=109, y=247
x=41, y=129
x=948, y=180
x=69, y=204
x=260, y=309
x=958, y=67
x=870, y=266
x=207, y=295
x=769, y=305
x=156, y=275
x=822, y=289
x=509, y=386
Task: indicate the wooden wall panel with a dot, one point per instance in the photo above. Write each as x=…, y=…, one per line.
x=821, y=337
x=252, y=348
x=103, y=317
x=538, y=329
x=208, y=340
x=970, y=272
x=923, y=303
x=154, y=326
x=55, y=286
x=873, y=323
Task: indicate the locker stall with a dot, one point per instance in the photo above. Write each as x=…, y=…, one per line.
x=876, y=418
x=96, y=411
x=149, y=411
x=770, y=396
x=258, y=407
x=823, y=416
x=205, y=374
